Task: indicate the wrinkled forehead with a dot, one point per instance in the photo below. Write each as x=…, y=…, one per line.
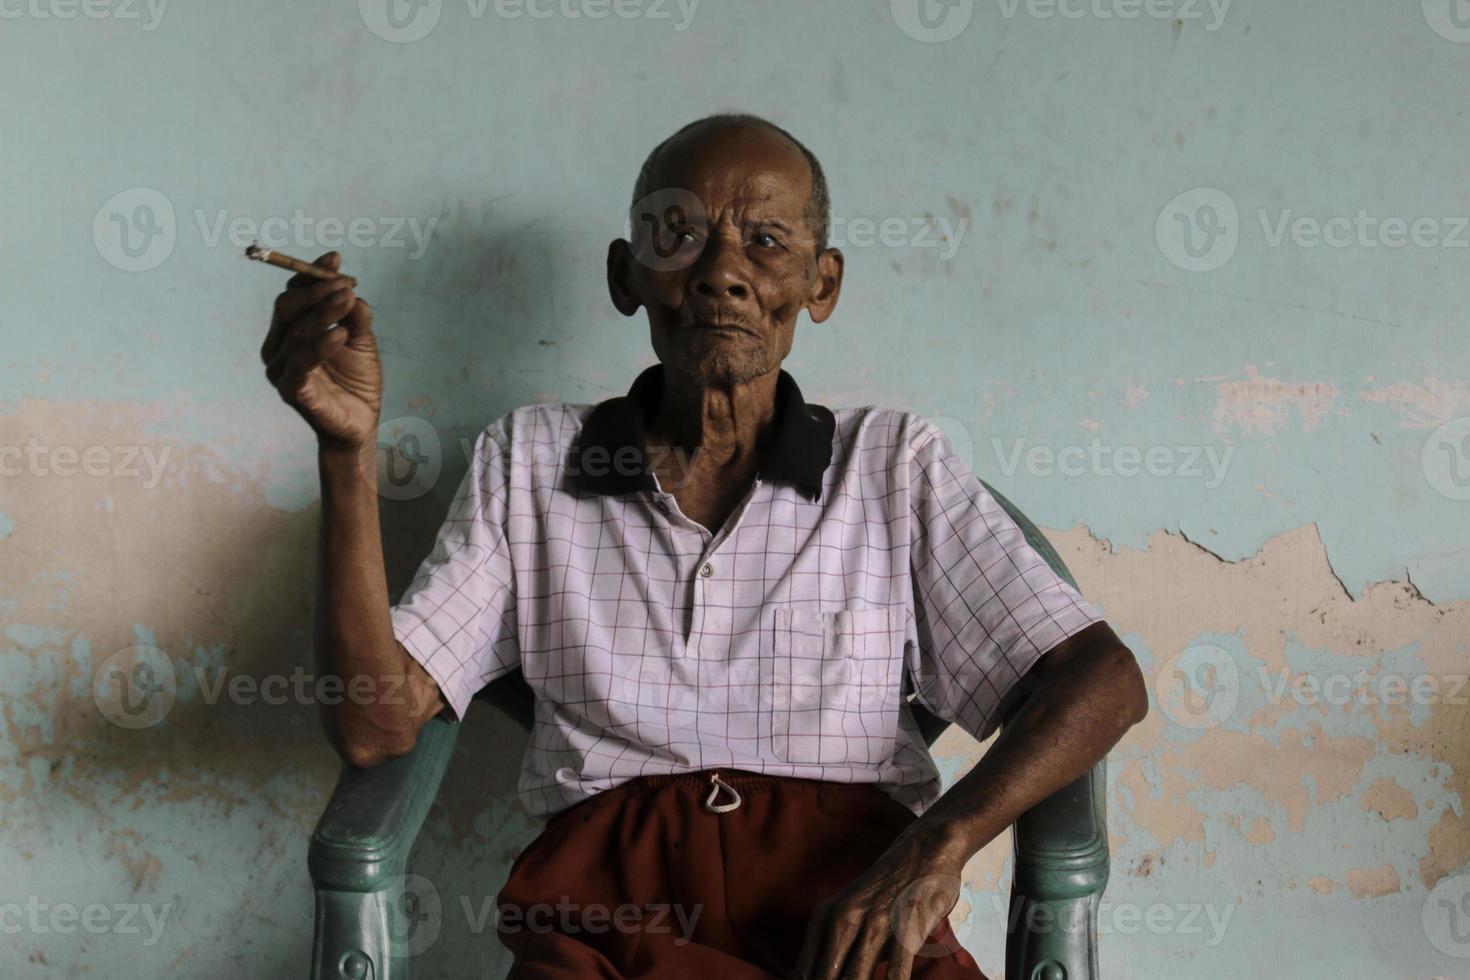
x=737, y=168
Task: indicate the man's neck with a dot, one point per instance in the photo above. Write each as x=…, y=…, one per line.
x=719, y=425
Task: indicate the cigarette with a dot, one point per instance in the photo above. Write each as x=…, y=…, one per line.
x=284, y=261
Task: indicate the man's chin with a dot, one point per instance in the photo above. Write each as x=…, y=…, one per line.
x=719, y=367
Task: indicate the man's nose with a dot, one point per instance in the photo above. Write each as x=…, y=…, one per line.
x=720, y=272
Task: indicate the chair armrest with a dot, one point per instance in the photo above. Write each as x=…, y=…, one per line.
x=1061, y=865
x=359, y=854
x=1061, y=869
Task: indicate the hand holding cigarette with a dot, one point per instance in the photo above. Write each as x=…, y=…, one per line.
x=331, y=376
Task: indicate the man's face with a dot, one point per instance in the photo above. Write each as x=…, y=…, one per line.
x=723, y=257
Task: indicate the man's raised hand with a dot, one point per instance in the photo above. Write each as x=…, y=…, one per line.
x=321, y=356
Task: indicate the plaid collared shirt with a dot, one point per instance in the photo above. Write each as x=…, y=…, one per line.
x=865, y=553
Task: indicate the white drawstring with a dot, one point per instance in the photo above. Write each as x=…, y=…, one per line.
x=716, y=785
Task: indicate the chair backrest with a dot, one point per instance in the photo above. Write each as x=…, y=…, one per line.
x=514, y=696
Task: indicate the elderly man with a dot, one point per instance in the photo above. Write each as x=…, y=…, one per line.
x=715, y=590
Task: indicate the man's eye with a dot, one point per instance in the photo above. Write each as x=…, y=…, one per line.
x=765, y=239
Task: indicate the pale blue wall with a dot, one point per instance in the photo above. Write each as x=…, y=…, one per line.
x=1061, y=312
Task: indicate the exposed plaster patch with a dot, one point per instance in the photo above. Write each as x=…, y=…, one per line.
x=1173, y=592
x=1425, y=405
x=1373, y=882
x=1261, y=404
x=1389, y=800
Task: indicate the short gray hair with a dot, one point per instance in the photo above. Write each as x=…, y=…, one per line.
x=818, y=206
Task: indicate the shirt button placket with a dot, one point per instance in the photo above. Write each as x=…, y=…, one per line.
x=706, y=569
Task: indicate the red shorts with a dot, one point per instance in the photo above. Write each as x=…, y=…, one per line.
x=643, y=881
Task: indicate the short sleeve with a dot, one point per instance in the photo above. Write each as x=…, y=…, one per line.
x=988, y=606
x=458, y=616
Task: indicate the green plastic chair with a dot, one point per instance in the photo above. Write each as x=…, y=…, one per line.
x=359, y=853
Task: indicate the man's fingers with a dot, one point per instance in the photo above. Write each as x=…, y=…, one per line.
x=296, y=305
x=288, y=372
x=308, y=329
x=900, y=960
x=293, y=302
x=358, y=320
x=843, y=928
x=310, y=341
x=907, y=935
x=862, y=958
x=295, y=359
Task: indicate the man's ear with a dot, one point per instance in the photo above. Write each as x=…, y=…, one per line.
x=823, y=298
x=620, y=278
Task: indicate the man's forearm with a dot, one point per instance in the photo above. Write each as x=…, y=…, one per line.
x=1080, y=705
x=383, y=702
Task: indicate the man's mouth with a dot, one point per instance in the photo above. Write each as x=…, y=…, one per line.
x=721, y=326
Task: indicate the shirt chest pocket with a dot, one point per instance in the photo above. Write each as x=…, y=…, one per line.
x=833, y=681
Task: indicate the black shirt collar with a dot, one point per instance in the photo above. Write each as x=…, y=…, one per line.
x=610, y=454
